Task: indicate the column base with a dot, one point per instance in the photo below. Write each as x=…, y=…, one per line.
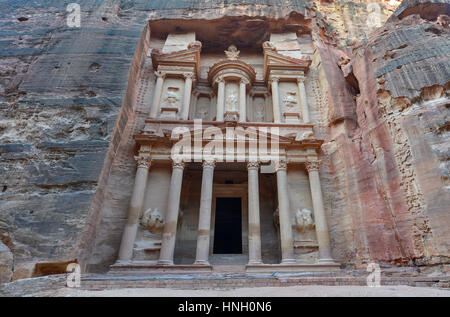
x=327, y=261
x=202, y=262
x=288, y=261
x=255, y=263
x=165, y=262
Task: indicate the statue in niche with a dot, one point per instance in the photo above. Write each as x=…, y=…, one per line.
x=304, y=220
x=152, y=220
x=232, y=100
x=259, y=111
x=203, y=112
x=290, y=99
x=172, y=99
x=232, y=53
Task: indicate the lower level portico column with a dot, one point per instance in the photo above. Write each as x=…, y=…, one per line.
x=287, y=245
x=323, y=237
x=254, y=231
x=173, y=207
x=137, y=199
x=204, y=221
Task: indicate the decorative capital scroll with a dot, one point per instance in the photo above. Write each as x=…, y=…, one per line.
x=280, y=165
x=188, y=75
x=178, y=164
x=220, y=79
x=160, y=74
x=312, y=165
x=143, y=160
x=274, y=79
x=301, y=79
x=253, y=165
x=244, y=81
x=209, y=163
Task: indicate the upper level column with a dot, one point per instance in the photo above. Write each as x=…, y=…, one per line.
x=188, y=77
x=157, y=94
x=275, y=99
x=303, y=99
x=134, y=211
x=323, y=237
x=242, y=100
x=220, y=98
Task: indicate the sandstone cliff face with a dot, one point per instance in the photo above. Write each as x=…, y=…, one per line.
x=384, y=119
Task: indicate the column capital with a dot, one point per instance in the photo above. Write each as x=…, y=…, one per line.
x=143, y=160
x=160, y=74
x=178, y=164
x=280, y=165
x=220, y=79
x=274, y=79
x=189, y=75
x=209, y=163
x=253, y=165
x=312, y=165
x=301, y=79
x=244, y=81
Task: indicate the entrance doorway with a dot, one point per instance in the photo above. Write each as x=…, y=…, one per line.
x=228, y=226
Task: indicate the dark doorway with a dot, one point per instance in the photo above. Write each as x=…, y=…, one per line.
x=228, y=226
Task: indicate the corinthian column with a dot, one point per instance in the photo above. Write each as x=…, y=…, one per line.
x=287, y=245
x=220, y=99
x=134, y=211
x=254, y=231
x=173, y=207
x=204, y=221
x=157, y=94
x=242, y=100
x=275, y=99
x=303, y=100
x=323, y=237
x=187, y=95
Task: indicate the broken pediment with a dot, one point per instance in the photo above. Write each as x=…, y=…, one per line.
x=189, y=57
x=276, y=61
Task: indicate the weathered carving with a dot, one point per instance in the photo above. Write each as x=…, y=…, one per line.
x=172, y=100
x=290, y=99
x=152, y=220
x=232, y=53
x=232, y=100
x=253, y=165
x=304, y=220
x=312, y=165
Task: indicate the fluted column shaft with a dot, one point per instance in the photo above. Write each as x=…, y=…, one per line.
x=275, y=100
x=303, y=99
x=173, y=207
x=220, y=100
x=134, y=211
x=254, y=226
x=204, y=221
x=242, y=101
x=287, y=245
x=157, y=95
x=187, y=95
x=323, y=237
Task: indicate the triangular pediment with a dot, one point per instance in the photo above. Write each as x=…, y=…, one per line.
x=273, y=60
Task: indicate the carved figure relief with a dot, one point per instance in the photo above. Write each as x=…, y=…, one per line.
x=231, y=102
x=304, y=220
x=172, y=100
x=152, y=220
x=290, y=99
x=259, y=109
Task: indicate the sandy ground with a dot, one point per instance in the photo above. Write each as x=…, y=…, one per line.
x=294, y=291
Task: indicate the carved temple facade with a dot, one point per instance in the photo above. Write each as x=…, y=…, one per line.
x=259, y=205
